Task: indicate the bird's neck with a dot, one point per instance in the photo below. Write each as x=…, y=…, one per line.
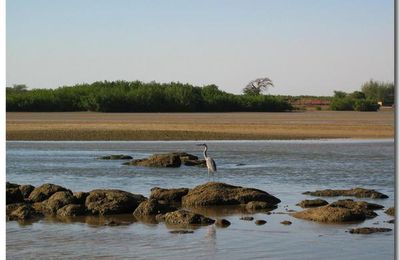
x=205, y=152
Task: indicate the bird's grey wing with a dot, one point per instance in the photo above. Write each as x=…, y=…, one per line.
x=214, y=165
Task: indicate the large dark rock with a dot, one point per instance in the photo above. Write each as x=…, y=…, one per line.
x=215, y=193
x=26, y=190
x=152, y=207
x=167, y=160
x=368, y=230
x=13, y=194
x=105, y=202
x=44, y=192
x=312, y=203
x=390, y=211
x=355, y=192
x=116, y=157
x=184, y=217
x=71, y=210
x=80, y=197
x=58, y=200
x=168, y=195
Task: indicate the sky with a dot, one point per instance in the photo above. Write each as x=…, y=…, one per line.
x=307, y=47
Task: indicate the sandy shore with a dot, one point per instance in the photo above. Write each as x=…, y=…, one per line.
x=199, y=126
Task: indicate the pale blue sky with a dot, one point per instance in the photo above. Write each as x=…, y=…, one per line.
x=305, y=47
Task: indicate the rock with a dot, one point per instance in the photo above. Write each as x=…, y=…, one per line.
x=58, y=200
x=13, y=206
x=259, y=205
x=355, y=192
x=26, y=190
x=114, y=223
x=215, y=193
x=152, y=207
x=181, y=231
x=160, y=217
x=105, y=202
x=80, y=197
x=44, y=192
x=390, y=211
x=13, y=195
x=185, y=156
x=168, y=195
x=362, y=206
x=184, y=217
x=368, y=230
x=260, y=222
x=22, y=212
x=116, y=157
x=312, y=203
x=392, y=221
x=286, y=222
x=222, y=223
x=158, y=160
x=330, y=214
x=71, y=210
x=247, y=218
x=11, y=185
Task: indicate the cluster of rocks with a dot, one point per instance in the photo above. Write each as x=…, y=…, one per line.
x=163, y=205
x=355, y=192
x=164, y=160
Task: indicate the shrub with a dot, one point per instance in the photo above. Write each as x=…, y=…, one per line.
x=342, y=104
x=366, y=105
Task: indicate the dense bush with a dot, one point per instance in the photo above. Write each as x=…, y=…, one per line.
x=343, y=104
x=136, y=96
x=365, y=105
x=380, y=91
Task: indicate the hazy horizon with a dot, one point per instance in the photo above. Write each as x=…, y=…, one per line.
x=306, y=47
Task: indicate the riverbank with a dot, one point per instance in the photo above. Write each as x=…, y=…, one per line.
x=199, y=126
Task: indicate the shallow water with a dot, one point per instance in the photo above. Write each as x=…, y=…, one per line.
x=283, y=168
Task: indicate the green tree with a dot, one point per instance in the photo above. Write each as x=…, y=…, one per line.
x=257, y=86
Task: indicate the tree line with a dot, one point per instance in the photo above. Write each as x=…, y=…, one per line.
x=367, y=99
x=136, y=96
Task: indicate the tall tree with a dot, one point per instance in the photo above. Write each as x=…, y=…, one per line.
x=257, y=86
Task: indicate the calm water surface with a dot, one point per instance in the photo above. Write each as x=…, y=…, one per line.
x=282, y=168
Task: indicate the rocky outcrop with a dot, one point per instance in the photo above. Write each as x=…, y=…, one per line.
x=390, y=211
x=355, y=192
x=330, y=214
x=105, y=202
x=116, y=157
x=152, y=207
x=168, y=160
x=168, y=195
x=58, y=200
x=26, y=190
x=312, y=203
x=71, y=210
x=44, y=192
x=215, y=193
x=368, y=230
x=184, y=217
x=362, y=206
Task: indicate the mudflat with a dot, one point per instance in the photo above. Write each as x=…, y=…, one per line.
x=199, y=126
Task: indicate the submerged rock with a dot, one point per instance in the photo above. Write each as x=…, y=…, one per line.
x=312, y=203
x=184, y=217
x=368, y=230
x=44, y=192
x=181, y=231
x=247, y=218
x=390, y=211
x=169, y=160
x=215, y=193
x=168, y=195
x=116, y=157
x=222, y=223
x=105, y=202
x=286, y=222
x=355, y=192
x=259, y=205
x=260, y=222
x=152, y=207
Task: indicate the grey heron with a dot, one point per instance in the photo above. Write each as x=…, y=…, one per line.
x=211, y=166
